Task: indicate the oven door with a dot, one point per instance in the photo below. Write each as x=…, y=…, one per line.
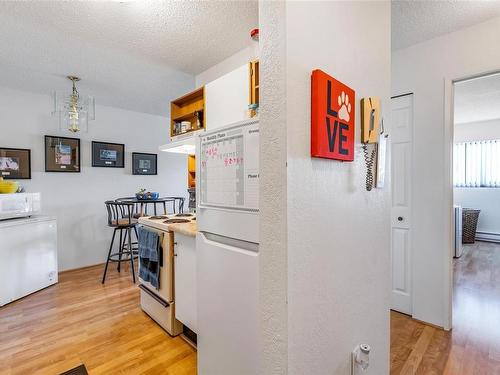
x=166, y=269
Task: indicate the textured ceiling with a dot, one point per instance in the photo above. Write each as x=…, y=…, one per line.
x=136, y=55
x=417, y=21
x=477, y=99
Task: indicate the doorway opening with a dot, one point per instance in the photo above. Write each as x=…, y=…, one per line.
x=476, y=209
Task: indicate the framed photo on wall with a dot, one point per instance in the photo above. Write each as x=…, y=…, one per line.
x=144, y=164
x=15, y=163
x=106, y=154
x=62, y=154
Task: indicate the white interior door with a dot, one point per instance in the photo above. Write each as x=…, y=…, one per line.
x=401, y=160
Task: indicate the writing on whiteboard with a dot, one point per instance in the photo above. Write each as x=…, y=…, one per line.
x=229, y=173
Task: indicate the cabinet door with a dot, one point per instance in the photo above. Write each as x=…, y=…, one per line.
x=185, y=280
x=226, y=98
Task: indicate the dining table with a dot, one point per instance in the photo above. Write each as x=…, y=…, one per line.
x=144, y=203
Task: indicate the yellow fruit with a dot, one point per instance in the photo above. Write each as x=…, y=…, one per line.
x=8, y=187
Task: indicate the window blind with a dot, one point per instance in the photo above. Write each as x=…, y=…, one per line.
x=476, y=164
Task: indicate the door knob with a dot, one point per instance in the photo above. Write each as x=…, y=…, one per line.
x=400, y=218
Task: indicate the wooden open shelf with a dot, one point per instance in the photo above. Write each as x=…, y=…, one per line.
x=185, y=108
x=191, y=171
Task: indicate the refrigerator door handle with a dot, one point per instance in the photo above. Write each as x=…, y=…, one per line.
x=230, y=243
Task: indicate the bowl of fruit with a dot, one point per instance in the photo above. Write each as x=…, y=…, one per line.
x=144, y=195
x=8, y=187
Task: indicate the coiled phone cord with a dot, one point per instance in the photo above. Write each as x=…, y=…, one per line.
x=370, y=161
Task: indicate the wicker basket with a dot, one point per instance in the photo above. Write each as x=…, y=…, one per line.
x=469, y=224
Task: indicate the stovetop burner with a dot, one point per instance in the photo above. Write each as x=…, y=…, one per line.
x=184, y=215
x=158, y=217
x=176, y=221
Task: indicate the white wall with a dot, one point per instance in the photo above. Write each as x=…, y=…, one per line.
x=423, y=69
x=338, y=244
x=485, y=199
x=233, y=62
x=273, y=260
x=77, y=199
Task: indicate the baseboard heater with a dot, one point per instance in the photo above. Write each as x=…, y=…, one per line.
x=488, y=236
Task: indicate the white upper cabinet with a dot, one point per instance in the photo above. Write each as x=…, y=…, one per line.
x=226, y=98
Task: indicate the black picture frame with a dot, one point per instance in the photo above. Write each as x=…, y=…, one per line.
x=140, y=161
x=108, y=154
x=62, y=154
x=19, y=167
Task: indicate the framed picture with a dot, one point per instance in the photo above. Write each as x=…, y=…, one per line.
x=105, y=154
x=15, y=163
x=332, y=118
x=62, y=154
x=145, y=164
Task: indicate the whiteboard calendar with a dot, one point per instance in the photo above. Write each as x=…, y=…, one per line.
x=229, y=167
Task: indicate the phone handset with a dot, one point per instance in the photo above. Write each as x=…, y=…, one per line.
x=370, y=119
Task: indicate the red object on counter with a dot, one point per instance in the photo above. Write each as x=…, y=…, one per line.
x=332, y=118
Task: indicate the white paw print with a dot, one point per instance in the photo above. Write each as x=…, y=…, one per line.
x=345, y=107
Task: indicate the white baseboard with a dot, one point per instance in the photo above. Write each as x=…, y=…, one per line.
x=488, y=236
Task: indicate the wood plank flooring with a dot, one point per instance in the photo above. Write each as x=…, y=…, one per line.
x=473, y=346
x=81, y=321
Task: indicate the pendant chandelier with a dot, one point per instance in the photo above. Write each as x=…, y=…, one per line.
x=74, y=110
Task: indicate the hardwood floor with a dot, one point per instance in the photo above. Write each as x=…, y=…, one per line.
x=473, y=346
x=81, y=321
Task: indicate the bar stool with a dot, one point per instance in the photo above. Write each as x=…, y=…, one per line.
x=136, y=214
x=137, y=208
x=121, y=218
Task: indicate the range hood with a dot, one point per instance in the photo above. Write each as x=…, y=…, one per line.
x=182, y=144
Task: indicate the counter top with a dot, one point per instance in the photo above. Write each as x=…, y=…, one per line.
x=188, y=229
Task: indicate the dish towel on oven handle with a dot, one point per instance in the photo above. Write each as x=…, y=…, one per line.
x=149, y=256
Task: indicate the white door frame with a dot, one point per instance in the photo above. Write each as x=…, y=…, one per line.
x=448, y=190
x=448, y=202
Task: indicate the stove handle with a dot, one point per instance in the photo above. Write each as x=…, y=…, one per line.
x=153, y=295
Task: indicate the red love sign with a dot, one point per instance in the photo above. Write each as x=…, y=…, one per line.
x=332, y=118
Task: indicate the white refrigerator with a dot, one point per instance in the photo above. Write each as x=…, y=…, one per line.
x=227, y=247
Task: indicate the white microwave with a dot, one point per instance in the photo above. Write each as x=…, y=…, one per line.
x=19, y=205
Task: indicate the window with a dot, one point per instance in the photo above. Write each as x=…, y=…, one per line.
x=476, y=164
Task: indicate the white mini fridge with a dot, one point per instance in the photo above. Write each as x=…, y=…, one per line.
x=227, y=250
x=28, y=253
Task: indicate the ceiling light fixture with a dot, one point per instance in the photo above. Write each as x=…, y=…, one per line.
x=74, y=110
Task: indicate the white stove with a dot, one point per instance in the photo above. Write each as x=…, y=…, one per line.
x=159, y=303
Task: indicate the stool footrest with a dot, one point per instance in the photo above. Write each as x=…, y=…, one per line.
x=125, y=256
